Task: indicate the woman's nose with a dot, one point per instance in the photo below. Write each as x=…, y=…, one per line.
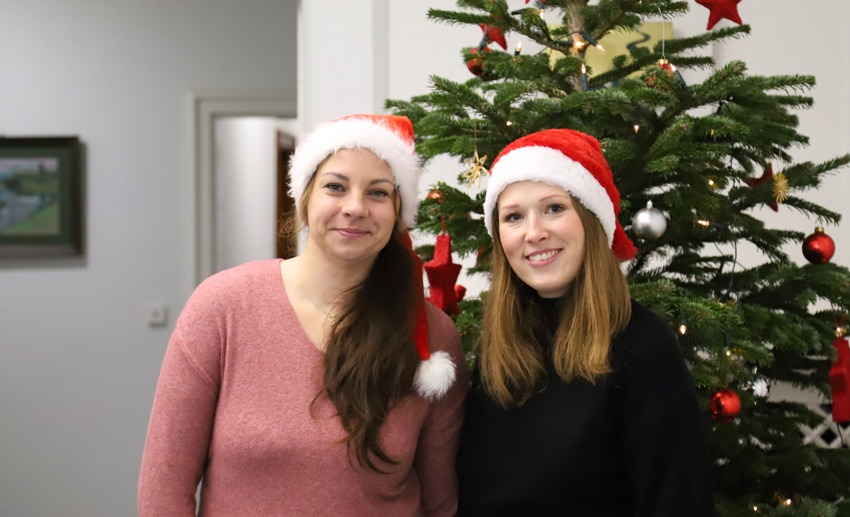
x=536, y=230
x=354, y=206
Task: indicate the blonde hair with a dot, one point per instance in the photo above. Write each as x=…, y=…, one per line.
x=596, y=308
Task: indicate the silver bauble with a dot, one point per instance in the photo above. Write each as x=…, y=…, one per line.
x=649, y=223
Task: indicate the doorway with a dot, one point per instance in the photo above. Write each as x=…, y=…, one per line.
x=252, y=204
x=219, y=239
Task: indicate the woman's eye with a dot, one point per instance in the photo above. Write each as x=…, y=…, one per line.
x=556, y=208
x=334, y=187
x=512, y=217
x=379, y=193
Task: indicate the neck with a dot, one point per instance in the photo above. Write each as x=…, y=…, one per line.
x=322, y=280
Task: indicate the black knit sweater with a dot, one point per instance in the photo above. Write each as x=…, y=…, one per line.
x=633, y=444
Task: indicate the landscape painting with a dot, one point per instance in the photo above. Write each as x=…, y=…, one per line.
x=39, y=197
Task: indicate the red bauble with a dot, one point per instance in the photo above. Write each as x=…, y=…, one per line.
x=442, y=275
x=436, y=194
x=474, y=65
x=725, y=405
x=719, y=9
x=818, y=247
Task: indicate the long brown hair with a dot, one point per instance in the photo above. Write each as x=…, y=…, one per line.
x=370, y=358
x=596, y=307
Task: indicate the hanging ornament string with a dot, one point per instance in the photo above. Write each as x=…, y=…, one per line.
x=664, y=63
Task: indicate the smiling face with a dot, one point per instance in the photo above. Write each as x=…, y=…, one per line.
x=542, y=236
x=351, y=207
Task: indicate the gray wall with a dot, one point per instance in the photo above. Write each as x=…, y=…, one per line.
x=78, y=362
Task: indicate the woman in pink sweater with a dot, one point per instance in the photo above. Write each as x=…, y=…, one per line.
x=323, y=384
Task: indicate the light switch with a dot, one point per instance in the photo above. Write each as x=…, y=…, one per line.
x=157, y=314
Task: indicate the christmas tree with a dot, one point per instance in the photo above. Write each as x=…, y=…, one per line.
x=694, y=161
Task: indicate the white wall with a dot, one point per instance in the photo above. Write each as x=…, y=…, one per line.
x=776, y=47
x=78, y=363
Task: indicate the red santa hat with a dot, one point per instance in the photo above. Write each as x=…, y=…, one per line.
x=567, y=159
x=436, y=371
x=390, y=137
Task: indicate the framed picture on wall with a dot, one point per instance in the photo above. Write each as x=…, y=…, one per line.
x=40, y=197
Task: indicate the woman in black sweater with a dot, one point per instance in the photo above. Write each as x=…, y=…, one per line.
x=582, y=404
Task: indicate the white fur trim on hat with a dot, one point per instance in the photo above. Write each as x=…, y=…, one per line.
x=434, y=376
x=362, y=133
x=547, y=165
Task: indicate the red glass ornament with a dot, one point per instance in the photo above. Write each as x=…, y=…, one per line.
x=725, y=405
x=474, y=65
x=818, y=247
x=435, y=194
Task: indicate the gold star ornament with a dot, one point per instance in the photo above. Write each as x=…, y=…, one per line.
x=475, y=169
x=780, y=187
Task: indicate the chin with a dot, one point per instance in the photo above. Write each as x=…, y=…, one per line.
x=550, y=290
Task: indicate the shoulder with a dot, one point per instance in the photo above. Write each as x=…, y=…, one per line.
x=239, y=281
x=443, y=336
x=646, y=333
x=232, y=288
x=649, y=366
x=647, y=344
x=644, y=319
x=258, y=271
x=441, y=328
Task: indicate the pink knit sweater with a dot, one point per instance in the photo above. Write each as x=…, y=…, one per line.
x=233, y=406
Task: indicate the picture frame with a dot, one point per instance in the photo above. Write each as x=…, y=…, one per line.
x=40, y=197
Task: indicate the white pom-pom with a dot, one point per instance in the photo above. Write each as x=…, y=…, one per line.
x=435, y=376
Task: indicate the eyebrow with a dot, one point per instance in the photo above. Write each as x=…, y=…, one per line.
x=542, y=199
x=346, y=178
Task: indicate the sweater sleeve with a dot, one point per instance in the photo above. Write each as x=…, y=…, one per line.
x=181, y=421
x=440, y=436
x=664, y=429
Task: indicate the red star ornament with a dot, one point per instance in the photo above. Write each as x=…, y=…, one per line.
x=442, y=276
x=719, y=9
x=494, y=34
x=764, y=178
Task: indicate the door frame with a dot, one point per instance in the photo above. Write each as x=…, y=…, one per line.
x=206, y=109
